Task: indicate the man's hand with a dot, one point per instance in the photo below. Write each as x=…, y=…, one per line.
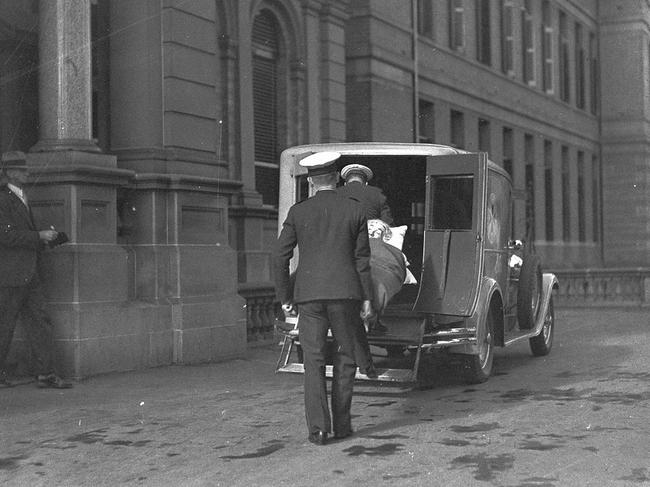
x=367, y=313
x=47, y=235
x=289, y=309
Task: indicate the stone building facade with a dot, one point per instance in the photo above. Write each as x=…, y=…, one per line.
x=153, y=129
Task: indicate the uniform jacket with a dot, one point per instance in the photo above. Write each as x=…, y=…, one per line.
x=19, y=241
x=334, y=254
x=372, y=198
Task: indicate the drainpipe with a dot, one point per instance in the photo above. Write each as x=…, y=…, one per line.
x=416, y=73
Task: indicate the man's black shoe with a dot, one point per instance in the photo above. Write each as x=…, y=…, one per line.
x=318, y=438
x=343, y=435
x=52, y=381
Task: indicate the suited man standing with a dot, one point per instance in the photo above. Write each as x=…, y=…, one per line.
x=332, y=283
x=374, y=201
x=21, y=294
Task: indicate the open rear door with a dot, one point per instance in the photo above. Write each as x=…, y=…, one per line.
x=452, y=251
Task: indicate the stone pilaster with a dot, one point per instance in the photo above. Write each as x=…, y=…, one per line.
x=174, y=214
x=625, y=111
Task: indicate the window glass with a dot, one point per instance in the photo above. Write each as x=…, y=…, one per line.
x=452, y=202
x=266, y=56
x=456, y=25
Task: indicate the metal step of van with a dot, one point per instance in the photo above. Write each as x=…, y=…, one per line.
x=384, y=375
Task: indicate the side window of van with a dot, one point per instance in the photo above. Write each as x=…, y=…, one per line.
x=452, y=202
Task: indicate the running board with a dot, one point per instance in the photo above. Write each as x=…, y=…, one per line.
x=384, y=375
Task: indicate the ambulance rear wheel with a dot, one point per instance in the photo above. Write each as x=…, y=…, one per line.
x=477, y=368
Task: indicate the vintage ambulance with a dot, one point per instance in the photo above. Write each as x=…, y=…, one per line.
x=477, y=286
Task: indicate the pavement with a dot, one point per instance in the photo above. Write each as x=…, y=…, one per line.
x=239, y=423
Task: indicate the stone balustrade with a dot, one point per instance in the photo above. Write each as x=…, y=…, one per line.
x=577, y=287
x=261, y=311
x=603, y=287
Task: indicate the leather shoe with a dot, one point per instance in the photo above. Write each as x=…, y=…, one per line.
x=343, y=435
x=52, y=381
x=318, y=437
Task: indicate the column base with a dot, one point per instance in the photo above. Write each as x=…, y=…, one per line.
x=57, y=145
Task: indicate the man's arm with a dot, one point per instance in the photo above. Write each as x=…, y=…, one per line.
x=362, y=262
x=362, y=257
x=282, y=256
x=10, y=235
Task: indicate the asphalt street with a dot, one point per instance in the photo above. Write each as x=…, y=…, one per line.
x=578, y=417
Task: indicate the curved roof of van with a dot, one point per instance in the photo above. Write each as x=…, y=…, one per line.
x=377, y=149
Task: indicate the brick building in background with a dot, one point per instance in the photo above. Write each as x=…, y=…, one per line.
x=153, y=130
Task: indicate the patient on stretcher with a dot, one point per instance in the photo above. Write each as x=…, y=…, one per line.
x=388, y=267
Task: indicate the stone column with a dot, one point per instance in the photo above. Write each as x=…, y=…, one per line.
x=65, y=76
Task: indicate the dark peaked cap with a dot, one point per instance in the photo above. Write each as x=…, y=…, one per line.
x=320, y=163
x=351, y=169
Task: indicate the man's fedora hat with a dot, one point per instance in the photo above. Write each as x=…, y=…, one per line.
x=320, y=163
x=350, y=169
x=13, y=160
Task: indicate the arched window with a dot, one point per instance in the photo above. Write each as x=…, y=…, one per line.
x=268, y=89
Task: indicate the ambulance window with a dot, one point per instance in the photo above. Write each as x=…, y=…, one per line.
x=451, y=202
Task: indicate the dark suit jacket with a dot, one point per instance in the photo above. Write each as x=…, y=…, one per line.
x=372, y=198
x=19, y=241
x=331, y=233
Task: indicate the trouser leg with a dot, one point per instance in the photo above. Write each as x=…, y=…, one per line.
x=38, y=328
x=343, y=317
x=313, y=326
x=10, y=302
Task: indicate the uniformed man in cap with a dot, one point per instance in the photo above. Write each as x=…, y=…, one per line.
x=374, y=202
x=332, y=285
x=21, y=293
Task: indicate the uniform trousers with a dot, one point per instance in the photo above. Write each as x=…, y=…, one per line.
x=28, y=303
x=316, y=318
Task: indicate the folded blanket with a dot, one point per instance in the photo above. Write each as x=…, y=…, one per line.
x=387, y=270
